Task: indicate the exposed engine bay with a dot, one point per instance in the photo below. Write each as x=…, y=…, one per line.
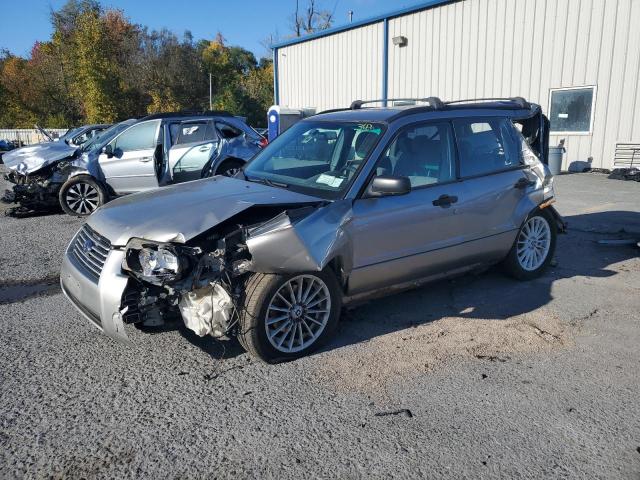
x=37, y=192
x=203, y=282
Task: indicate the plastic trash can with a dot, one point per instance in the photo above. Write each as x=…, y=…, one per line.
x=555, y=159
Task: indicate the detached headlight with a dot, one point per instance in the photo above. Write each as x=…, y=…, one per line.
x=152, y=262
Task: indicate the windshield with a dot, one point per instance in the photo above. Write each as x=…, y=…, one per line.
x=316, y=158
x=103, y=137
x=70, y=134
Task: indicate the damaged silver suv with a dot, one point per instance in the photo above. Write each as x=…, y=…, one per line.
x=342, y=207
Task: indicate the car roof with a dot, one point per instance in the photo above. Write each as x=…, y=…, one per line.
x=516, y=107
x=187, y=115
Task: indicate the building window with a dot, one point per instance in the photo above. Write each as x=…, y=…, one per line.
x=571, y=110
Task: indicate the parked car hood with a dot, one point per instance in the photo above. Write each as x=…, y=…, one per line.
x=30, y=159
x=179, y=213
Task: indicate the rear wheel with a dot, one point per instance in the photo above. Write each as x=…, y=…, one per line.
x=81, y=196
x=229, y=168
x=289, y=316
x=534, y=247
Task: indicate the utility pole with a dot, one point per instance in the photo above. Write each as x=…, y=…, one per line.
x=350, y=13
x=210, y=96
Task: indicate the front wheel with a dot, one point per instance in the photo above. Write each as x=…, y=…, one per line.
x=81, y=196
x=229, y=168
x=289, y=316
x=534, y=247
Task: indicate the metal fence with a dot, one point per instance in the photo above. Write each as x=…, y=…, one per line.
x=29, y=136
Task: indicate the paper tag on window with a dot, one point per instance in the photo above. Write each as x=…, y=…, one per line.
x=329, y=180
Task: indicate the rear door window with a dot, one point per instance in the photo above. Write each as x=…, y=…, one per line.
x=195, y=133
x=486, y=146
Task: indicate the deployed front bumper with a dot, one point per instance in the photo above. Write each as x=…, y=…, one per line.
x=99, y=301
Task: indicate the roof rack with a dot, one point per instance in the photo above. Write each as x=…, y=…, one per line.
x=434, y=102
x=188, y=113
x=519, y=101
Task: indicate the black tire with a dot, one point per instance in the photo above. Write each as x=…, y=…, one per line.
x=513, y=265
x=260, y=291
x=229, y=168
x=74, y=188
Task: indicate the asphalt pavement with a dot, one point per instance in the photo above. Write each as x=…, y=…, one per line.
x=478, y=377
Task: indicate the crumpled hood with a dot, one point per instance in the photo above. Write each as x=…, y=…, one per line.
x=29, y=159
x=179, y=213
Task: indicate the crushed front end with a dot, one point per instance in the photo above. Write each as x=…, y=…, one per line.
x=35, y=192
x=200, y=284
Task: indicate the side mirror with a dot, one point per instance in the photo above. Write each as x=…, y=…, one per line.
x=108, y=151
x=388, y=185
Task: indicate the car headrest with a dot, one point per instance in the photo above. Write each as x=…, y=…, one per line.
x=364, y=143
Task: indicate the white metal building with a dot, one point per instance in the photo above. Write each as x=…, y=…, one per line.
x=579, y=59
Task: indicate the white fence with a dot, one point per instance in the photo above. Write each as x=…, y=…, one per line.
x=29, y=136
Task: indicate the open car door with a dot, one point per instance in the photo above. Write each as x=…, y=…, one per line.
x=195, y=143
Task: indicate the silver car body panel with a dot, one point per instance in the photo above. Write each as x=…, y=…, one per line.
x=131, y=171
x=27, y=160
x=99, y=302
x=214, y=199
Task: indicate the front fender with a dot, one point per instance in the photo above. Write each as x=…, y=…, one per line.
x=284, y=245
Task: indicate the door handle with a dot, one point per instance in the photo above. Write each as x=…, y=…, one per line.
x=146, y=159
x=524, y=183
x=445, y=200
x=204, y=149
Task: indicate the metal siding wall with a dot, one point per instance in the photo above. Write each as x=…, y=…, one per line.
x=483, y=48
x=332, y=71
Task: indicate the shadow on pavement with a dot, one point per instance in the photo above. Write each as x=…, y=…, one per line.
x=493, y=295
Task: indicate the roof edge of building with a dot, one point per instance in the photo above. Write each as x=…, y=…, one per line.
x=361, y=23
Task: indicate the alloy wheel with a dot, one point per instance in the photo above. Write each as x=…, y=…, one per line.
x=82, y=198
x=534, y=242
x=230, y=172
x=298, y=313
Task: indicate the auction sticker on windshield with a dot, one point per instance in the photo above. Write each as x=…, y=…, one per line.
x=330, y=180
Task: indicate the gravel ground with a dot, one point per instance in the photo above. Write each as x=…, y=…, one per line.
x=481, y=377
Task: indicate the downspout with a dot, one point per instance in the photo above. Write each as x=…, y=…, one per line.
x=385, y=62
x=276, y=89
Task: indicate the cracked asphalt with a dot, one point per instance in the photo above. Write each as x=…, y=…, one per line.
x=478, y=377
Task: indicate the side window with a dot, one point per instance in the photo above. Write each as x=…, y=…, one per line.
x=195, y=133
x=139, y=137
x=486, y=145
x=227, y=131
x=425, y=153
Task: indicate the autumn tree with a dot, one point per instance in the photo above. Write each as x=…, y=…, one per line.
x=99, y=67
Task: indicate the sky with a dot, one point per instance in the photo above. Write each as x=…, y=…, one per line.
x=246, y=23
